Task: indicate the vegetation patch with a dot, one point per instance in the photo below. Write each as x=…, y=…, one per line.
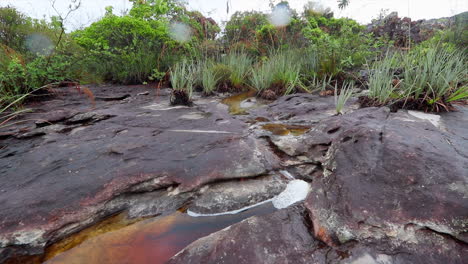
x=427, y=79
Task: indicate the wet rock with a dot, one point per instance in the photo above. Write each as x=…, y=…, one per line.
x=90, y=117
x=300, y=108
x=54, y=117
x=234, y=195
x=248, y=103
x=57, y=128
x=57, y=185
x=112, y=98
x=7, y=134
x=285, y=237
x=30, y=134
x=282, y=237
x=389, y=178
x=385, y=187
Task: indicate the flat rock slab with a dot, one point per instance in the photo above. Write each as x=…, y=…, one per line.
x=58, y=177
x=385, y=187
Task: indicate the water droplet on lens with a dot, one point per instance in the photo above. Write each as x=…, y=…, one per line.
x=180, y=32
x=281, y=16
x=39, y=44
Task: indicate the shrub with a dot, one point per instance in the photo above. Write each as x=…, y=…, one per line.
x=32, y=53
x=129, y=49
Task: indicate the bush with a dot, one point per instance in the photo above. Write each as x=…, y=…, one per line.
x=32, y=54
x=123, y=49
x=129, y=49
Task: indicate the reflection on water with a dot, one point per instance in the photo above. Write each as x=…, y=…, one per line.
x=285, y=130
x=234, y=102
x=153, y=240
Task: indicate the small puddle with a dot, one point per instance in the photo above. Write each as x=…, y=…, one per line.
x=285, y=130
x=156, y=240
x=234, y=102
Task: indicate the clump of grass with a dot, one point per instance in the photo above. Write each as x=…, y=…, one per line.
x=381, y=78
x=286, y=68
x=239, y=64
x=209, y=78
x=317, y=84
x=346, y=92
x=309, y=60
x=433, y=75
x=431, y=79
x=280, y=74
x=262, y=77
x=182, y=80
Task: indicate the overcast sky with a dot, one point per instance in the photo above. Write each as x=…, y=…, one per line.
x=361, y=10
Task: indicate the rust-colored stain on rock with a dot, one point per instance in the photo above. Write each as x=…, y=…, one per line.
x=285, y=130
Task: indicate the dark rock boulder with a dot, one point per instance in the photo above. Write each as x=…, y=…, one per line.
x=391, y=179
x=400, y=30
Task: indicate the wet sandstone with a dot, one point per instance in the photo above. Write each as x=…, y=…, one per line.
x=386, y=187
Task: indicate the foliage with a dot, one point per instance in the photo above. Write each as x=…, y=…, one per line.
x=32, y=53
x=346, y=92
x=286, y=68
x=243, y=26
x=183, y=77
x=381, y=77
x=262, y=77
x=209, y=77
x=433, y=74
x=282, y=72
x=239, y=64
x=14, y=27
x=129, y=49
x=222, y=72
x=431, y=78
x=342, y=4
x=341, y=43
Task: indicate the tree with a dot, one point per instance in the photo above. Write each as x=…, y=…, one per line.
x=13, y=28
x=342, y=4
